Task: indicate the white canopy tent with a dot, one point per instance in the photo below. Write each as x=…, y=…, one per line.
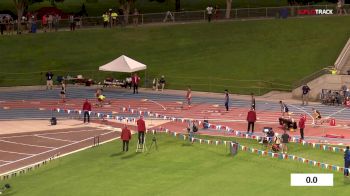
x=123, y=64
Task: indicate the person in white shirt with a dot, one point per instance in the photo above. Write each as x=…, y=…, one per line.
x=209, y=12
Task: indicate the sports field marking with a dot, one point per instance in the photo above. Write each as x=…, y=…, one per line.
x=23, y=144
x=20, y=153
x=51, y=138
x=17, y=136
x=313, y=120
x=58, y=148
x=336, y=112
x=155, y=103
x=5, y=161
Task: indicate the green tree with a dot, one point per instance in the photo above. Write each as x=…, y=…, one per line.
x=23, y=4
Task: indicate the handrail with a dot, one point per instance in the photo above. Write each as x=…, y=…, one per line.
x=312, y=76
x=339, y=63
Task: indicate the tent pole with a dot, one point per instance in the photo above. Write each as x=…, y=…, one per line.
x=145, y=78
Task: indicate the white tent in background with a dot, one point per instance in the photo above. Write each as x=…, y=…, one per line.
x=123, y=64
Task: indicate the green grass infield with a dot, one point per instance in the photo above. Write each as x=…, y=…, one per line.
x=177, y=168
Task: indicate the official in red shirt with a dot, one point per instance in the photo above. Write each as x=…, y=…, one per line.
x=135, y=82
x=251, y=118
x=126, y=137
x=302, y=126
x=87, y=110
x=141, y=128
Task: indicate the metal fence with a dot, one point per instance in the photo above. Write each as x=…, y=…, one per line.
x=185, y=16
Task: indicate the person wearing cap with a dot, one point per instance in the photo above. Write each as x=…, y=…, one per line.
x=141, y=128
x=162, y=82
x=125, y=137
x=87, y=110
x=302, y=121
x=251, y=118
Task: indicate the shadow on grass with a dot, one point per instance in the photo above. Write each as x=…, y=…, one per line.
x=187, y=144
x=117, y=154
x=131, y=155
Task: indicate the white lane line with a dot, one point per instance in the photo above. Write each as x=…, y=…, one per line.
x=336, y=112
x=17, y=136
x=5, y=161
x=23, y=144
x=51, y=138
x=58, y=148
x=20, y=153
x=156, y=103
x=313, y=120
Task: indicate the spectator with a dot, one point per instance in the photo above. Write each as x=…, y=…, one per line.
x=105, y=18
x=344, y=89
x=217, y=12
x=135, y=82
x=155, y=84
x=63, y=91
x=126, y=137
x=72, y=22
x=302, y=121
x=114, y=17
x=49, y=81
x=209, y=12
x=346, y=161
x=128, y=81
x=189, y=96
x=141, y=128
x=135, y=18
x=2, y=25
x=49, y=22
x=284, y=109
x=162, y=83
x=87, y=110
x=347, y=102
x=251, y=119
x=44, y=22
x=227, y=99
x=285, y=139
x=56, y=21
x=253, y=101
x=305, y=94
x=191, y=129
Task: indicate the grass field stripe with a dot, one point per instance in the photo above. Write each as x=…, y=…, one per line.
x=23, y=144
x=51, y=138
x=20, y=153
x=64, y=146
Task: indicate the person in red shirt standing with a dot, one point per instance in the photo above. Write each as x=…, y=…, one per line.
x=126, y=137
x=135, y=82
x=251, y=118
x=87, y=110
x=302, y=126
x=141, y=128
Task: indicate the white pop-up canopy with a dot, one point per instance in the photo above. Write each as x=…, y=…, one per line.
x=123, y=64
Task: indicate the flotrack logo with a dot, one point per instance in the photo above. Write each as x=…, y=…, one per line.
x=315, y=12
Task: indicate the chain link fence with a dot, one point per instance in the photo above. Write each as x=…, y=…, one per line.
x=173, y=17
